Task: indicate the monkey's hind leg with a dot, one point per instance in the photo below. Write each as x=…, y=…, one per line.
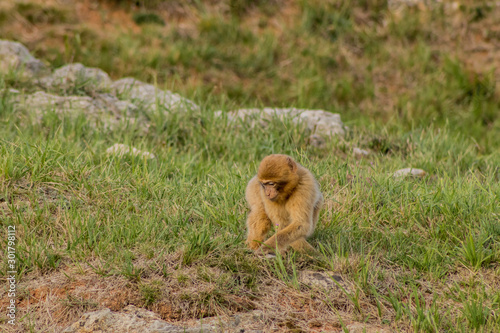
x=301, y=245
x=258, y=226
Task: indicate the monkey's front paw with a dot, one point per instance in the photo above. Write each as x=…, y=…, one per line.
x=253, y=244
x=264, y=250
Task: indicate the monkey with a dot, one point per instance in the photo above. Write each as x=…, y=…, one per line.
x=286, y=194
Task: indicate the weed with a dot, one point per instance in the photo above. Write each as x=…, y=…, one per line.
x=476, y=313
x=151, y=292
x=474, y=254
x=80, y=303
x=148, y=18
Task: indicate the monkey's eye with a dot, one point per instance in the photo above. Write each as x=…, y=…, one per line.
x=263, y=186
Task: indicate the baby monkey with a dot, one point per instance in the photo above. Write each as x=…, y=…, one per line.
x=285, y=194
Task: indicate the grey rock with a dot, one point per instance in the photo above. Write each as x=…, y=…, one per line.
x=409, y=172
x=151, y=97
x=103, y=108
x=130, y=320
x=15, y=56
x=322, y=280
x=42, y=101
x=260, y=116
x=77, y=76
x=316, y=140
x=323, y=123
x=251, y=322
x=115, y=105
x=319, y=123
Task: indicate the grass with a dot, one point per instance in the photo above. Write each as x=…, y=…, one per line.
x=419, y=254
x=356, y=57
x=72, y=203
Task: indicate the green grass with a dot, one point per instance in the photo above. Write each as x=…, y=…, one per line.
x=353, y=57
x=421, y=254
x=72, y=203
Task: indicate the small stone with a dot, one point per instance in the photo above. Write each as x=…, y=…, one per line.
x=409, y=172
x=357, y=152
x=322, y=280
x=121, y=149
x=237, y=320
x=257, y=315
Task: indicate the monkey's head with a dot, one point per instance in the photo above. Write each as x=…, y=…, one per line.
x=278, y=176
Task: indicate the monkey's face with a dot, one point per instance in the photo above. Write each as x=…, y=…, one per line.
x=278, y=177
x=270, y=189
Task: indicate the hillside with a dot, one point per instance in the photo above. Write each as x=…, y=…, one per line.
x=408, y=66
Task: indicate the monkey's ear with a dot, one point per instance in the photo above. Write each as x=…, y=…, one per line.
x=291, y=164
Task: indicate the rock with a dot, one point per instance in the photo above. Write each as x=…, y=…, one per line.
x=316, y=140
x=115, y=105
x=249, y=322
x=130, y=320
x=322, y=280
x=320, y=123
x=15, y=56
x=366, y=328
x=357, y=152
x=121, y=149
x=151, y=97
x=77, y=76
x=136, y=320
x=409, y=172
x=103, y=108
x=42, y=101
x=323, y=123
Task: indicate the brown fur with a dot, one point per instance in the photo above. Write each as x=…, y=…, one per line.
x=285, y=194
